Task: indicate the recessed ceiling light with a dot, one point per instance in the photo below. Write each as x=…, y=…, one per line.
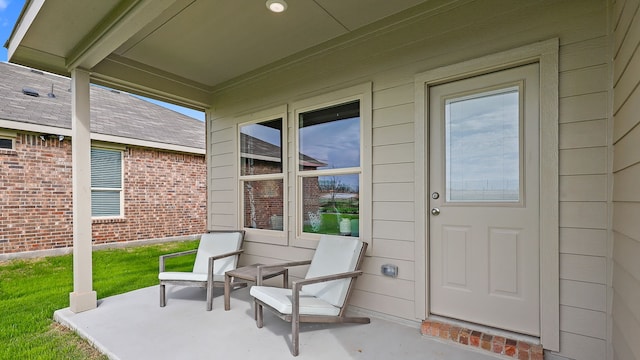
x=276, y=6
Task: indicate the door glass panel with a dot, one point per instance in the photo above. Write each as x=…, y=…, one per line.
x=482, y=136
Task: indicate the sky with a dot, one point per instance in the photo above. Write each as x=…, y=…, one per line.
x=336, y=143
x=9, y=12
x=482, y=143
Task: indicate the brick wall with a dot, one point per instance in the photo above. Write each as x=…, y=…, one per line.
x=263, y=207
x=165, y=196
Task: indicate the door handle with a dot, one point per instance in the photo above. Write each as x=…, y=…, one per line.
x=435, y=211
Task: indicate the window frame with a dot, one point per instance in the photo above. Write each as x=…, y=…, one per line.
x=363, y=94
x=120, y=150
x=9, y=135
x=269, y=236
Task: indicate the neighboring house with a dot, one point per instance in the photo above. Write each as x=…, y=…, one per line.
x=263, y=207
x=147, y=166
x=494, y=146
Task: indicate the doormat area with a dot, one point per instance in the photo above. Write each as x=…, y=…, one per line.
x=516, y=349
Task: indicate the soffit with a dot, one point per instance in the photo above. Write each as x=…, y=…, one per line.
x=222, y=39
x=56, y=31
x=192, y=46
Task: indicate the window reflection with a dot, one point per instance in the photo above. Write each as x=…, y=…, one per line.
x=262, y=178
x=329, y=164
x=263, y=204
x=331, y=204
x=261, y=148
x=330, y=138
x=483, y=146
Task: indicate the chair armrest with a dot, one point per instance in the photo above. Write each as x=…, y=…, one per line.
x=222, y=256
x=167, y=256
x=218, y=257
x=296, y=286
x=319, y=279
x=283, y=264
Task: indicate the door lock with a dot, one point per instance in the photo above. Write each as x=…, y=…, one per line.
x=435, y=211
x=435, y=195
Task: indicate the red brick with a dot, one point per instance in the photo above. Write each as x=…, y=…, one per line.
x=425, y=328
x=486, y=345
x=537, y=353
x=37, y=200
x=474, y=339
x=435, y=329
x=464, y=337
x=444, y=331
x=523, y=355
x=537, y=356
x=510, y=350
x=454, y=333
x=499, y=340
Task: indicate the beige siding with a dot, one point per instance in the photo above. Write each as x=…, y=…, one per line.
x=626, y=173
x=390, y=59
x=584, y=194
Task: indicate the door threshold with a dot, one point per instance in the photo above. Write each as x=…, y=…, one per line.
x=499, y=342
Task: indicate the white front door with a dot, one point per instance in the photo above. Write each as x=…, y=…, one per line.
x=484, y=247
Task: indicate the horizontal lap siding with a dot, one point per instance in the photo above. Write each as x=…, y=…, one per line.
x=626, y=174
x=583, y=151
x=390, y=60
x=222, y=195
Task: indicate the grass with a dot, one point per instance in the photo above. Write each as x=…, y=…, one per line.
x=31, y=290
x=329, y=224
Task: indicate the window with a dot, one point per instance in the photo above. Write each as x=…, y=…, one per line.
x=304, y=169
x=262, y=175
x=6, y=144
x=329, y=169
x=106, y=183
x=7, y=139
x=483, y=157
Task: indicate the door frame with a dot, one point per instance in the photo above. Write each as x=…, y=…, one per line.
x=545, y=53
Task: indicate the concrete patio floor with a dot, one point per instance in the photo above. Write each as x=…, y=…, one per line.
x=133, y=326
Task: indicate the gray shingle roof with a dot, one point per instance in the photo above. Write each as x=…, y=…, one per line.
x=112, y=113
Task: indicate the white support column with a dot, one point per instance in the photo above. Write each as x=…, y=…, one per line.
x=83, y=297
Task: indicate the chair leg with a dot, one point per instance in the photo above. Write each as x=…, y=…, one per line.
x=163, y=300
x=295, y=336
x=258, y=313
x=209, y=295
x=295, y=320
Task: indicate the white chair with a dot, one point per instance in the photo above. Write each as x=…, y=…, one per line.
x=323, y=296
x=217, y=253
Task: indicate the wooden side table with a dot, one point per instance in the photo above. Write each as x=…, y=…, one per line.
x=249, y=273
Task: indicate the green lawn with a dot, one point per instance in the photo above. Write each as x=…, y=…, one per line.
x=31, y=290
x=330, y=224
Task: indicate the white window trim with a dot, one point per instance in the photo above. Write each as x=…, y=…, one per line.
x=362, y=93
x=264, y=235
x=112, y=147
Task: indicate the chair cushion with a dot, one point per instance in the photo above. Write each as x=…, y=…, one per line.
x=280, y=300
x=217, y=243
x=333, y=255
x=187, y=276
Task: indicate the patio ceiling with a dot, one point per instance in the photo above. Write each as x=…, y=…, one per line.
x=181, y=51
